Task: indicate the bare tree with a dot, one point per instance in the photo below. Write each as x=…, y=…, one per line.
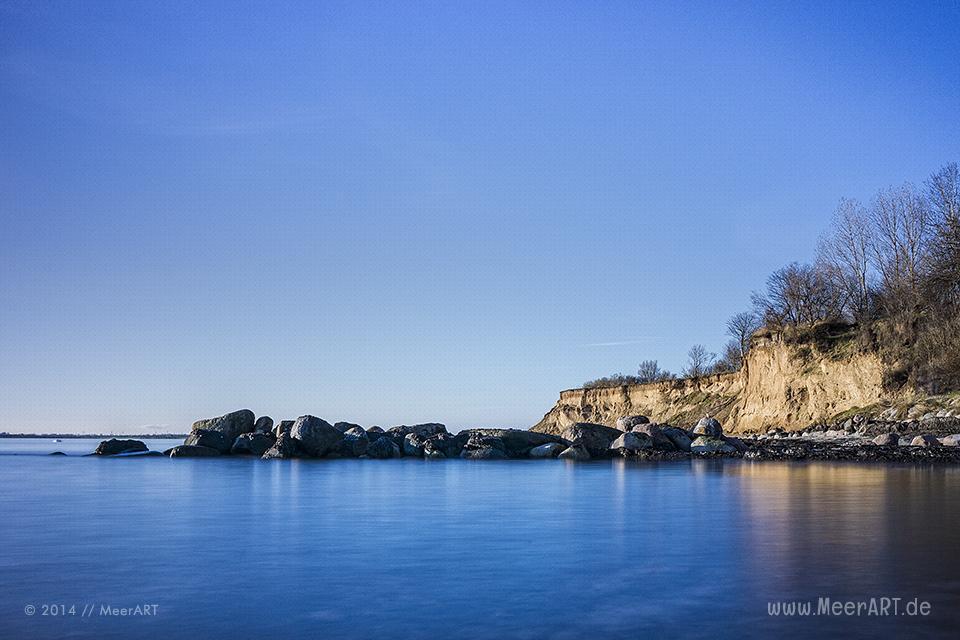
x=650, y=371
x=740, y=327
x=943, y=193
x=799, y=294
x=731, y=360
x=904, y=226
x=845, y=254
x=699, y=361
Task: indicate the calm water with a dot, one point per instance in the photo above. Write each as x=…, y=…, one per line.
x=239, y=548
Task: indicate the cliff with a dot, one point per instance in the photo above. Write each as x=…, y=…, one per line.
x=782, y=384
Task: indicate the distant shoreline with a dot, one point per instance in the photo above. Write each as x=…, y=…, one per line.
x=80, y=436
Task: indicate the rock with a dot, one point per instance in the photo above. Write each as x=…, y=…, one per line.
x=433, y=454
x=374, y=430
x=285, y=447
x=383, y=447
x=627, y=423
x=315, y=436
x=885, y=439
x=211, y=439
x=631, y=442
x=925, y=440
x=483, y=447
x=575, y=452
x=679, y=437
x=413, y=445
x=343, y=427
x=483, y=453
x=56, y=453
x=264, y=424
x=113, y=446
x=708, y=427
x=516, y=443
x=283, y=427
x=139, y=454
x=710, y=444
x=951, y=441
x=252, y=444
x=549, y=450
x=354, y=444
x=737, y=444
x=192, y=451
x=230, y=425
x=595, y=438
x=444, y=445
x=655, y=431
x=424, y=430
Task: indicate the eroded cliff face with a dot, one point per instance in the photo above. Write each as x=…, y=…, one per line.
x=781, y=385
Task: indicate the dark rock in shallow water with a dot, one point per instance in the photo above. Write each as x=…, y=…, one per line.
x=575, y=452
x=443, y=445
x=113, y=446
x=285, y=447
x=57, y=453
x=384, y=447
x=354, y=444
x=516, y=443
x=208, y=438
x=413, y=445
x=192, y=451
x=283, y=427
x=230, y=425
x=252, y=444
x=264, y=424
x=315, y=436
x=483, y=453
x=549, y=450
x=595, y=438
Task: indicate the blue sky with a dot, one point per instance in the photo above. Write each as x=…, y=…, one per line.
x=399, y=212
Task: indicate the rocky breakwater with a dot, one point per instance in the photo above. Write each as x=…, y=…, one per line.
x=634, y=437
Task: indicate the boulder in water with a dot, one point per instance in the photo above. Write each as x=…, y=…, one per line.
x=576, y=452
x=264, y=424
x=595, y=438
x=315, y=436
x=708, y=427
x=285, y=447
x=631, y=442
x=209, y=438
x=230, y=425
x=192, y=451
x=383, y=448
x=709, y=444
x=252, y=444
x=113, y=446
x=549, y=450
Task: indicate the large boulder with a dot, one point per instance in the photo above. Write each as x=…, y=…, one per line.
x=211, y=439
x=285, y=447
x=354, y=444
x=655, y=431
x=114, y=447
x=925, y=440
x=443, y=445
x=708, y=427
x=549, y=450
x=575, y=452
x=627, y=423
x=383, y=447
x=595, y=438
x=886, y=439
x=315, y=436
x=343, y=427
x=252, y=444
x=425, y=430
x=283, y=427
x=264, y=424
x=679, y=437
x=413, y=445
x=516, y=443
x=483, y=447
x=230, y=425
x=951, y=440
x=192, y=451
x=630, y=443
x=708, y=444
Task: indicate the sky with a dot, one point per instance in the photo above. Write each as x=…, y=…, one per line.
x=393, y=213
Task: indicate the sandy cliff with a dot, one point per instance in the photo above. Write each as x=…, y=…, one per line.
x=785, y=385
